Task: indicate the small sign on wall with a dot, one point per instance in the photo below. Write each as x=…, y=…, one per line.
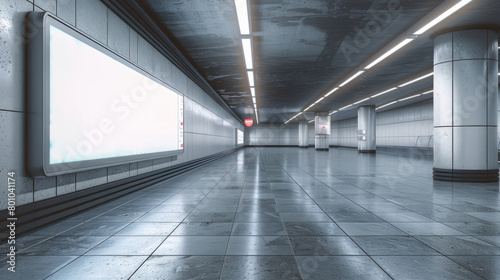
x=249, y=122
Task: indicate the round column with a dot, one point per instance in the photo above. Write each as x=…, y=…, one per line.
x=465, y=106
x=322, y=125
x=303, y=134
x=366, y=129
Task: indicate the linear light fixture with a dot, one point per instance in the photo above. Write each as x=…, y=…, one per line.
x=351, y=78
x=442, y=16
x=385, y=105
x=384, y=92
x=331, y=91
x=405, y=98
x=360, y=101
x=247, y=52
x=300, y=113
x=416, y=80
x=243, y=18
x=250, y=79
x=391, y=51
x=345, y=107
x=410, y=97
x=252, y=91
x=311, y=121
x=333, y=112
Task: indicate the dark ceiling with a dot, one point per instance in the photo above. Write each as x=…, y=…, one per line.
x=303, y=48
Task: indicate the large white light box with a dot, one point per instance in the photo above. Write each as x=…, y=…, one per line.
x=91, y=108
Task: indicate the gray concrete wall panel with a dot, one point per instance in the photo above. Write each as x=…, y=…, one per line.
x=208, y=127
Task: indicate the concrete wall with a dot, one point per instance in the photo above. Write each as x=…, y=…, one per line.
x=276, y=134
x=409, y=126
x=208, y=127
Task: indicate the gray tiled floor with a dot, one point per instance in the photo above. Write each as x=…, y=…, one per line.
x=280, y=213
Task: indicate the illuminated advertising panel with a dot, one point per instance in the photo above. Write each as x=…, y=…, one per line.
x=239, y=137
x=97, y=108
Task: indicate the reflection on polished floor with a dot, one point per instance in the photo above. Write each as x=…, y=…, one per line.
x=280, y=213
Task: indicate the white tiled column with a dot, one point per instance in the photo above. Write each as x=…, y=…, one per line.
x=366, y=129
x=303, y=134
x=322, y=125
x=465, y=106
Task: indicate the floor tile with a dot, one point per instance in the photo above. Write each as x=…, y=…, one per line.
x=193, y=245
x=95, y=228
x=64, y=246
x=403, y=217
x=459, y=245
x=352, y=217
x=305, y=217
x=34, y=267
x=203, y=229
x=210, y=217
x=163, y=229
x=258, y=229
x=162, y=218
x=487, y=267
x=127, y=246
x=259, y=245
x=340, y=267
x=180, y=268
x=260, y=267
x=370, y=229
x=297, y=228
x=324, y=246
x=393, y=246
x=423, y=267
x=427, y=229
x=100, y=268
x=258, y=217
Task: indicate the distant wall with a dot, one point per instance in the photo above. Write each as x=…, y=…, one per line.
x=409, y=126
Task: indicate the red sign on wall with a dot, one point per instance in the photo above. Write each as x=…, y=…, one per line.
x=249, y=122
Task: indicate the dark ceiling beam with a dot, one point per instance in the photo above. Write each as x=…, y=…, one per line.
x=134, y=15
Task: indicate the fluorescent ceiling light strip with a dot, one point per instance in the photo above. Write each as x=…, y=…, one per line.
x=384, y=92
x=250, y=79
x=416, y=80
x=351, y=78
x=332, y=91
x=242, y=13
x=409, y=97
x=252, y=91
x=427, y=92
x=333, y=112
x=442, y=16
x=386, y=104
x=345, y=107
x=254, y=101
x=310, y=121
x=363, y=100
x=247, y=52
x=391, y=51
